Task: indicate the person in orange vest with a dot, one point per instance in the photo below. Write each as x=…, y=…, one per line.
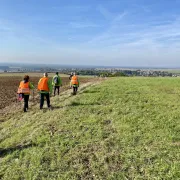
x=45, y=90
x=74, y=83
x=24, y=91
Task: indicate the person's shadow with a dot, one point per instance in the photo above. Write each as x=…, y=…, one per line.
x=9, y=150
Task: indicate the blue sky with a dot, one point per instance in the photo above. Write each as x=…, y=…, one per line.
x=91, y=32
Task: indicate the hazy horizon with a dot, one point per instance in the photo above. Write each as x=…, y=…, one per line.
x=81, y=65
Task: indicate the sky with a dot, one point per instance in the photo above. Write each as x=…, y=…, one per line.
x=91, y=32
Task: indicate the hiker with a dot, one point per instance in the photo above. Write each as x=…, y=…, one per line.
x=45, y=89
x=74, y=83
x=24, y=91
x=56, y=82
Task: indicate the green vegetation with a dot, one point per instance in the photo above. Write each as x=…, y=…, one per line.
x=174, y=71
x=123, y=128
x=100, y=73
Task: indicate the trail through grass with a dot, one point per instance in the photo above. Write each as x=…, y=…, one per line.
x=123, y=128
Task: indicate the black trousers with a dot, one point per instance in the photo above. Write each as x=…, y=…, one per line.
x=56, y=88
x=26, y=99
x=75, y=88
x=42, y=95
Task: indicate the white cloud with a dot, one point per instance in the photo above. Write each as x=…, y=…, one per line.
x=119, y=17
x=105, y=12
x=149, y=35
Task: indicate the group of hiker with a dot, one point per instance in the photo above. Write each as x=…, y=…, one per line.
x=45, y=88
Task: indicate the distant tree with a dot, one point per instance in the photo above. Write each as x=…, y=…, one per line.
x=116, y=74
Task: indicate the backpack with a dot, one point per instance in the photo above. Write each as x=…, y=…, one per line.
x=56, y=80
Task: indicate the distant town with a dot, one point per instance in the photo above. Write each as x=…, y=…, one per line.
x=92, y=71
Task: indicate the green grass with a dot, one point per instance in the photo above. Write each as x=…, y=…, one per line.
x=123, y=128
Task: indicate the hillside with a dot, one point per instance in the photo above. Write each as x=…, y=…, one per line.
x=121, y=128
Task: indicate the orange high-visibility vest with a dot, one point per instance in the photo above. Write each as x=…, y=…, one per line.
x=43, y=84
x=24, y=88
x=74, y=80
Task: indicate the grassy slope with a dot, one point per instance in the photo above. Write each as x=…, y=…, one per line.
x=126, y=128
